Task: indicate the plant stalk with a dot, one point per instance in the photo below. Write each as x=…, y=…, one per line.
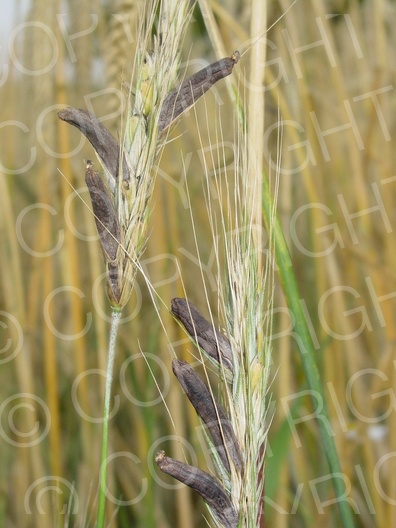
x=115, y=321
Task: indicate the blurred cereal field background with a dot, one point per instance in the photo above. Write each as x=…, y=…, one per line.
x=330, y=96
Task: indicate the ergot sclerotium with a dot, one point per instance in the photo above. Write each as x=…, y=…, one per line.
x=189, y=91
x=107, y=223
x=204, y=484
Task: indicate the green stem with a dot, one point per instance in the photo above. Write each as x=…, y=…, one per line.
x=115, y=321
x=307, y=353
